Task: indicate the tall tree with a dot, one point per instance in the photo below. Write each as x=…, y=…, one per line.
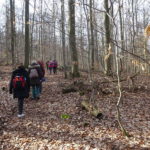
x=72, y=39
x=12, y=18
x=32, y=30
x=121, y=24
x=92, y=34
x=108, y=58
x=41, y=31
x=7, y=33
x=27, y=45
x=63, y=36
x=54, y=29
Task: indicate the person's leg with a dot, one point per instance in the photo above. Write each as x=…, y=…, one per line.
x=20, y=106
x=40, y=88
x=54, y=70
x=37, y=91
x=50, y=69
x=33, y=92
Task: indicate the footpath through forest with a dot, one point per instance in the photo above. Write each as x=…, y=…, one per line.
x=57, y=121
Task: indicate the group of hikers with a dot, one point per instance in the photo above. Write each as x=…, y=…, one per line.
x=52, y=66
x=22, y=80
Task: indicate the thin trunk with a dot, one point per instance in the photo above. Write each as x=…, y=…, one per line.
x=27, y=45
x=32, y=30
x=63, y=36
x=12, y=31
x=88, y=37
x=41, y=32
x=7, y=33
x=92, y=35
x=54, y=30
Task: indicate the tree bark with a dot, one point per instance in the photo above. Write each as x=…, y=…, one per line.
x=92, y=35
x=63, y=36
x=32, y=30
x=27, y=45
x=108, y=66
x=72, y=39
x=12, y=16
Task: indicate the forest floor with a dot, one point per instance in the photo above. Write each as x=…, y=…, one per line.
x=45, y=128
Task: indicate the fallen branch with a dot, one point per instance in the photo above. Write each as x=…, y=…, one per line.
x=121, y=80
x=91, y=109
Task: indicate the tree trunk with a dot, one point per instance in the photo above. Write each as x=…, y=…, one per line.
x=108, y=61
x=92, y=35
x=32, y=30
x=7, y=32
x=63, y=36
x=27, y=46
x=54, y=30
x=72, y=39
x=12, y=16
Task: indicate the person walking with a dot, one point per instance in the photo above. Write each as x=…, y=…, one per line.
x=55, y=66
x=43, y=74
x=20, y=87
x=50, y=66
x=35, y=75
x=47, y=64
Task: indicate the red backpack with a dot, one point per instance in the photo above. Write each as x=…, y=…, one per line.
x=19, y=82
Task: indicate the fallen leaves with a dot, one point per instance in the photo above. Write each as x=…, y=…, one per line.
x=57, y=122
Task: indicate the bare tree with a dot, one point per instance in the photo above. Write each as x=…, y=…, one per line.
x=108, y=58
x=12, y=17
x=27, y=45
x=63, y=36
x=92, y=35
x=72, y=39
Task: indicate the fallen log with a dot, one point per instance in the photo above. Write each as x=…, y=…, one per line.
x=91, y=109
x=68, y=90
x=121, y=80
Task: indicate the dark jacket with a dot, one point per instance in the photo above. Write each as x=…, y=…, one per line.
x=36, y=80
x=42, y=68
x=21, y=93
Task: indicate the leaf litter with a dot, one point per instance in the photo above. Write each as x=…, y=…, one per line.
x=57, y=121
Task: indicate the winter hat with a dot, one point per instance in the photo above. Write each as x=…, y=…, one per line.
x=34, y=62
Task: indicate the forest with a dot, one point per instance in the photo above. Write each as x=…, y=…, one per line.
x=98, y=96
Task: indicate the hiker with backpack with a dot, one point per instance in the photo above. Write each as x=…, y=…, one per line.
x=35, y=74
x=20, y=87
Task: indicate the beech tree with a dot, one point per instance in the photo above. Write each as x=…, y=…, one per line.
x=108, y=59
x=72, y=39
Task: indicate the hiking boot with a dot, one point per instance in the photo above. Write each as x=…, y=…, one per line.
x=20, y=115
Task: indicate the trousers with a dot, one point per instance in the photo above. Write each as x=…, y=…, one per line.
x=35, y=91
x=20, y=105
